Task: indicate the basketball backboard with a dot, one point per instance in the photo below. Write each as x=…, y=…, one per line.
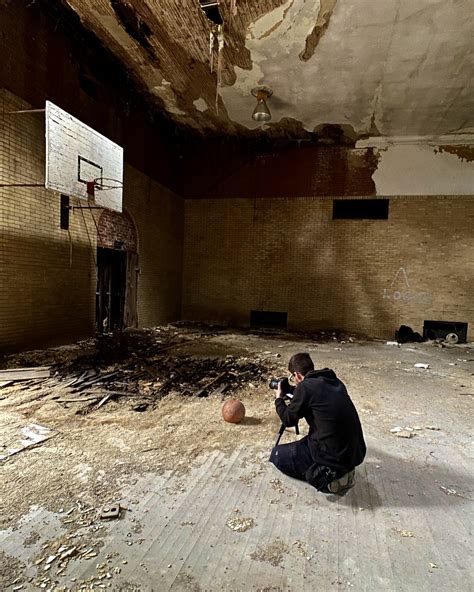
x=77, y=155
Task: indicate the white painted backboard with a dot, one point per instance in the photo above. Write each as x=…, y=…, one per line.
x=76, y=154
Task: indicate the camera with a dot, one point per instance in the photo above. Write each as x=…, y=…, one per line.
x=286, y=388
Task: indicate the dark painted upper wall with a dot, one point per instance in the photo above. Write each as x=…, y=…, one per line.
x=47, y=54
x=309, y=171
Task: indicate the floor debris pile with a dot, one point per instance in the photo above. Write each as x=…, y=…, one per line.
x=143, y=366
x=101, y=497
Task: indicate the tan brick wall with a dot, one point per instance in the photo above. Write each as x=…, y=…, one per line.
x=47, y=275
x=289, y=255
x=158, y=215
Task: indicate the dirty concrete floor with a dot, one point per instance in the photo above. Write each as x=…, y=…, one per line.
x=203, y=508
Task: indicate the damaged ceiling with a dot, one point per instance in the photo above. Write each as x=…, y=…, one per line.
x=338, y=69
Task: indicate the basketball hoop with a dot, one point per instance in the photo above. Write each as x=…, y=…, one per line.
x=107, y=183
x=80, y=162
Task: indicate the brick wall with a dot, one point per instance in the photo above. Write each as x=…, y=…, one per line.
x=46, y=54
x=158, y=214
x=47, y=275
x=365, y=276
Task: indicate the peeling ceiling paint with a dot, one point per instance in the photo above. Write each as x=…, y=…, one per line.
x=389, y=68
x=200, y=104
x=322, y=23
x=462, y=152
x=422, y=170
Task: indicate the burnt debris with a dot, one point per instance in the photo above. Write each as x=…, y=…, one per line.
x=141, y=367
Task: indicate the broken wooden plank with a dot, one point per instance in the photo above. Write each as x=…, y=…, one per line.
x=81, y=400
x=104, y=400
x=202, y=390
x=89, y=373
x=25, y=373
x=103, y=394
x=99, y=378
x=5, y=383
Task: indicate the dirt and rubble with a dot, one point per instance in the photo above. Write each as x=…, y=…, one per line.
x=167, y=387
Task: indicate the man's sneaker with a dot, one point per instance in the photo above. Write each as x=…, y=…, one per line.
x=343, y=483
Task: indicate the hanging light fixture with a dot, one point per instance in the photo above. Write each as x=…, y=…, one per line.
x=262, y=112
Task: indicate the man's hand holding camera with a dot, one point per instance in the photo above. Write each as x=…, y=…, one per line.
x=279, y=393
x=284, y=390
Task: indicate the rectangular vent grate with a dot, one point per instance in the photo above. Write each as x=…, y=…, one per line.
x=268, y=319
x=439, y=330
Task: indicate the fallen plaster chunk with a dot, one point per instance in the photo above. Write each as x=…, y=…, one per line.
x=405, y=434
x=240, y=524
x=404, y=533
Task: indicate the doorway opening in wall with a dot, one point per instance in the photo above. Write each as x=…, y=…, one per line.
x=110, y=295
x=117, y=273
x=268, y=319
x=116, y=295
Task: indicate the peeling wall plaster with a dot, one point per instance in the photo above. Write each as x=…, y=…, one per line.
x=167, y=95
x=422, y=170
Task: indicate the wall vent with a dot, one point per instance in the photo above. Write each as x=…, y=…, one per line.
x=268, y=319
x=439, y=330
x=360, y=209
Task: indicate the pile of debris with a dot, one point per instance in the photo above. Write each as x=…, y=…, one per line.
x=138, y=365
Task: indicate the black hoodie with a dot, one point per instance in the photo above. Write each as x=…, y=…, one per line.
x=335, y=434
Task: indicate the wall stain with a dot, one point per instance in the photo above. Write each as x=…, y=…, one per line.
x=326, y=10
x=462, y=152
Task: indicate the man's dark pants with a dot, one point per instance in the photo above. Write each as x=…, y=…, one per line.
x=295, y=460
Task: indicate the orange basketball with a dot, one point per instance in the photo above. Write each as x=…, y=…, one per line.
x=233, y=411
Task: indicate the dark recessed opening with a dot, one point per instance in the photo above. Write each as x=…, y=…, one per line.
x=88, y=86
x=439, y=330
x=268, y=319
x=64, y=213
x=360, y=209
x=211, y=10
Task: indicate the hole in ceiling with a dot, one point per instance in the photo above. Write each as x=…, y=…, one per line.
x=134, y=25
x=211, y=10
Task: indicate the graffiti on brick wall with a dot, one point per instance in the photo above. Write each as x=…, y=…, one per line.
x=401, y=291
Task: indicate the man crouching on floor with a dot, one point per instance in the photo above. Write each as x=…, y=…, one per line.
x=327, y=456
